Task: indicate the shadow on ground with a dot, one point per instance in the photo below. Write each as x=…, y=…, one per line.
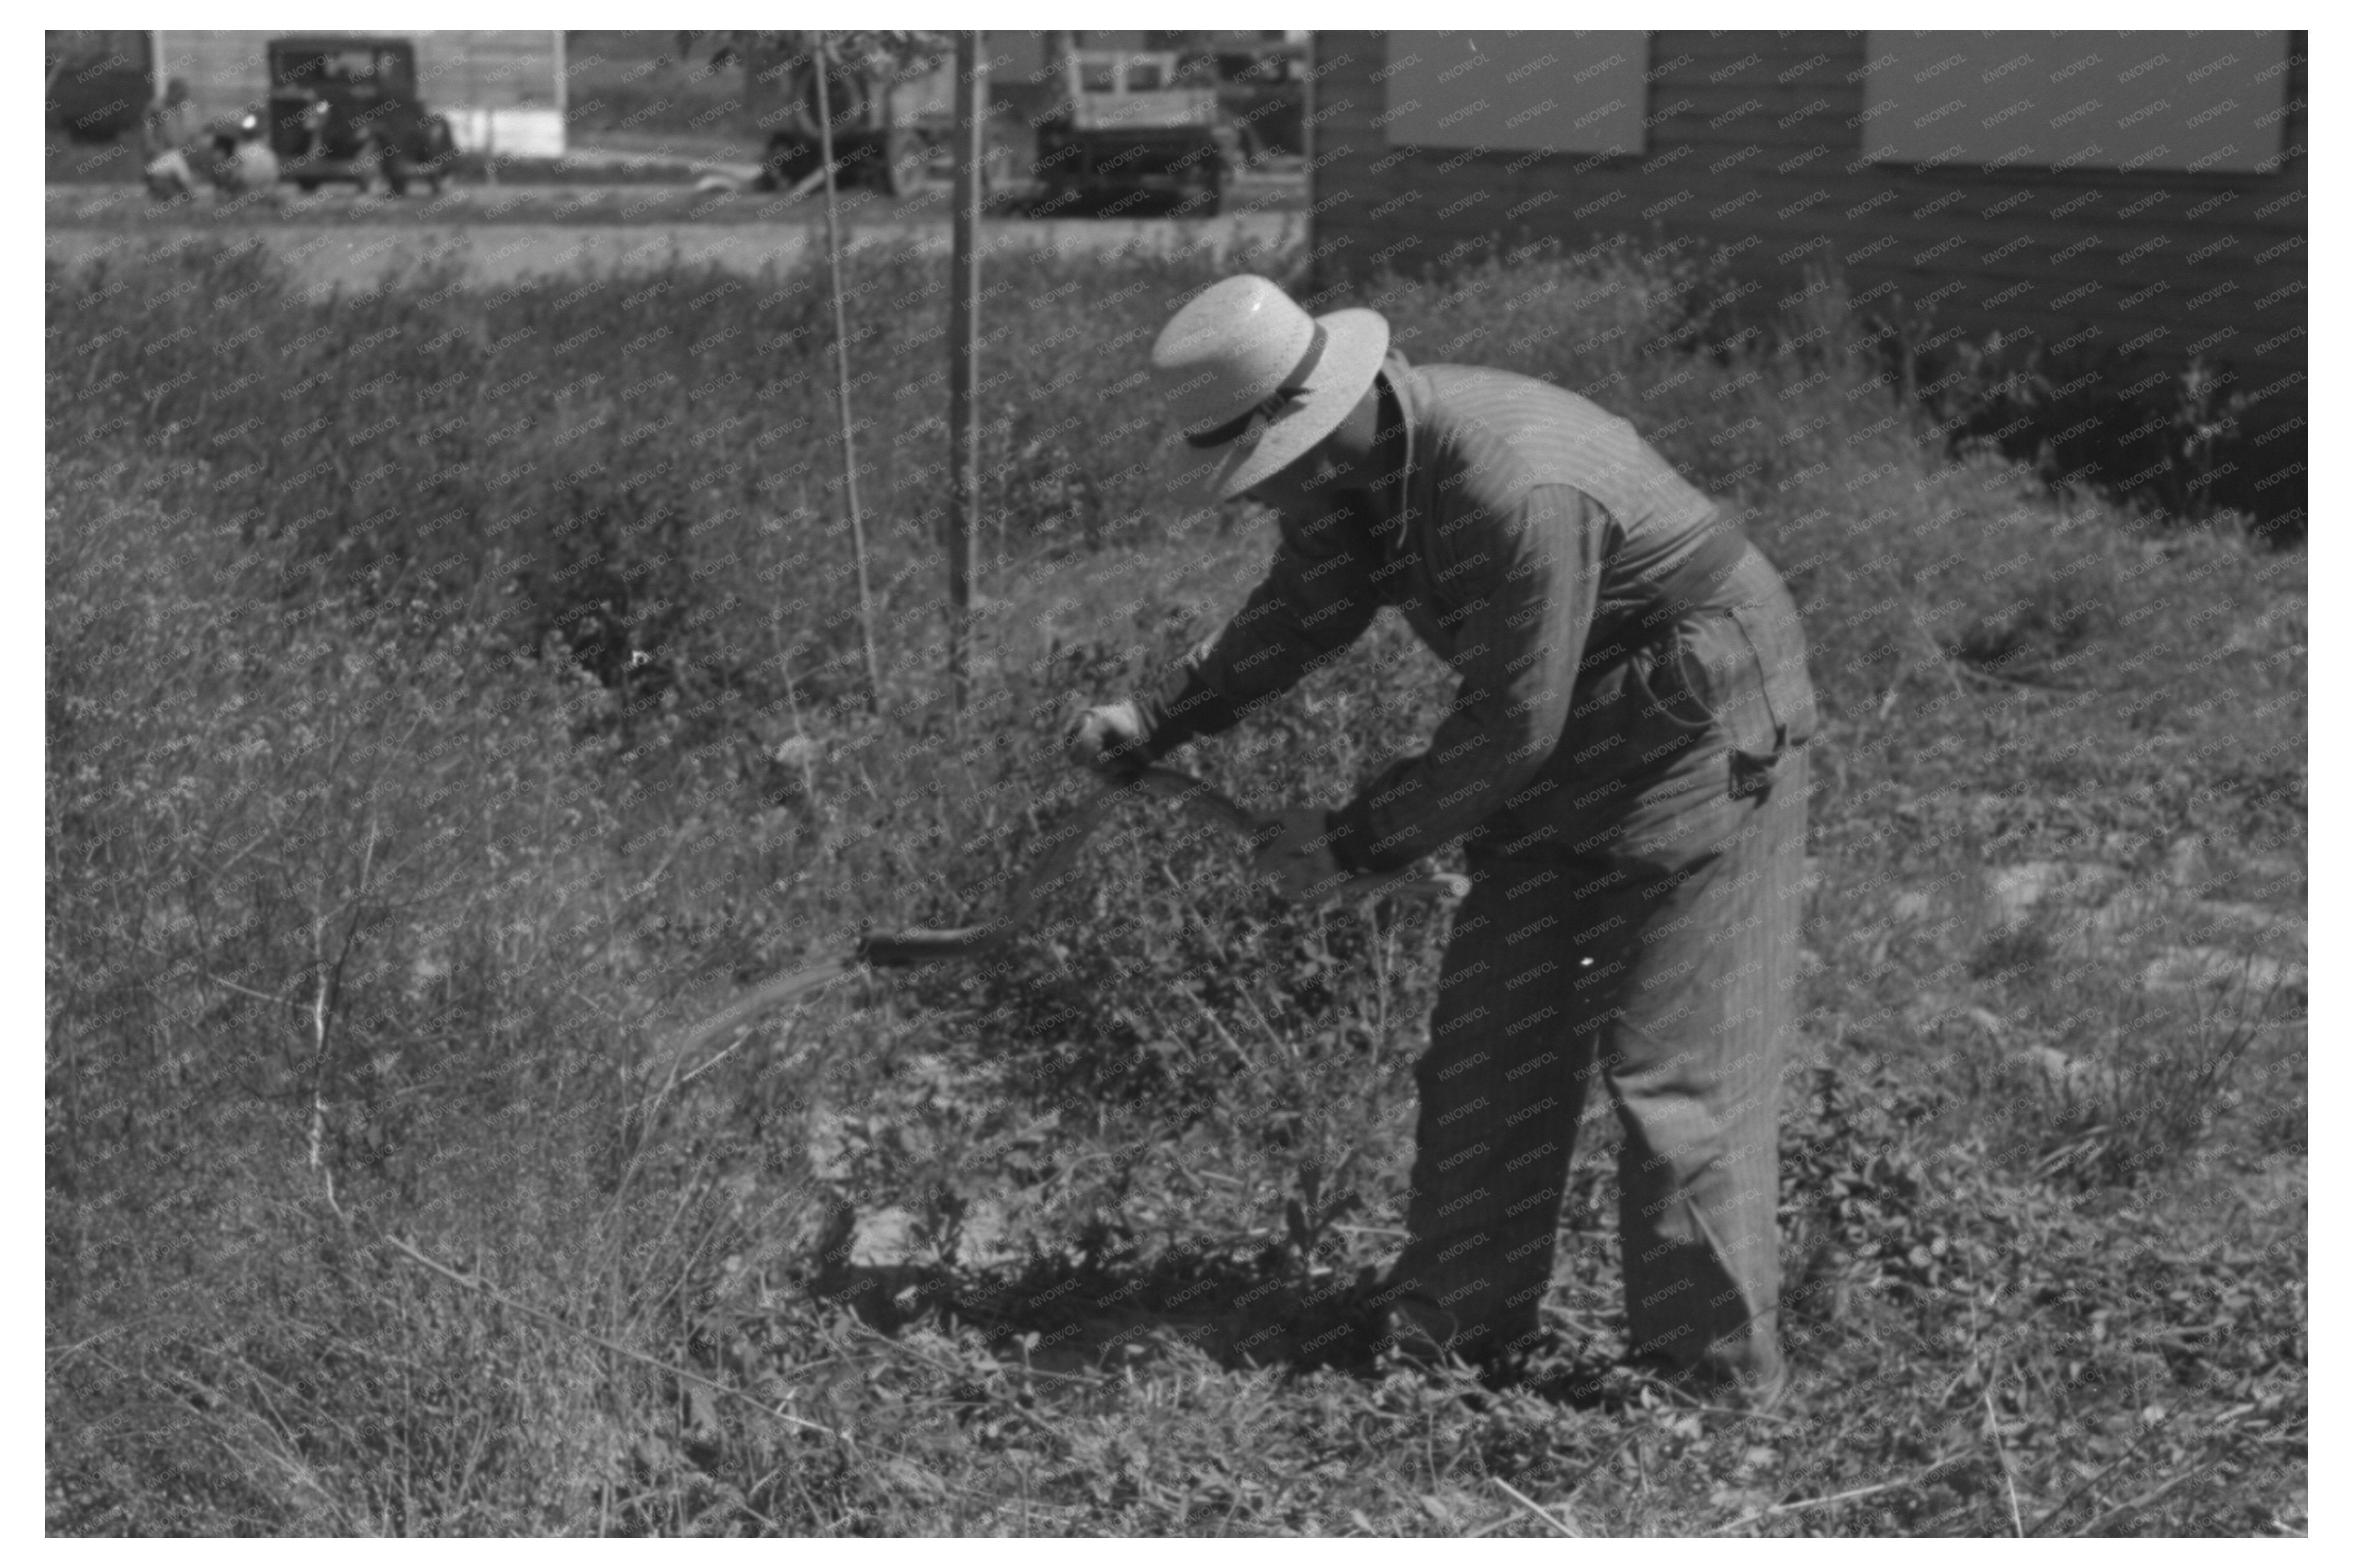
x=1244, y=1313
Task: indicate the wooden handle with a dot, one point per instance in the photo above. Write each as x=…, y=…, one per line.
x=895, y=949
x=1403, y=883
x=887, y=950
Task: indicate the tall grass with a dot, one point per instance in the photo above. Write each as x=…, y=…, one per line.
x=449, y=696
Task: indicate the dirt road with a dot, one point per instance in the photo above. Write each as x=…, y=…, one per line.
x=497, y=237
x=498, y=254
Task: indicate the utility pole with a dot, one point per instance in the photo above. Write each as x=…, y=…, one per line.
x=964, y=350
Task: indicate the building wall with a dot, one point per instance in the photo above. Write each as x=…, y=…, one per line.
x=1753, y=151
x=503, y=90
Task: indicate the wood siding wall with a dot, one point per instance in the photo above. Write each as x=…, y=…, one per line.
x=1752, y=157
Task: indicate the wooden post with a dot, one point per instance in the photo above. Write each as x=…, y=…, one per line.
x=823, y=53
x=562, y=98
x=963, y=333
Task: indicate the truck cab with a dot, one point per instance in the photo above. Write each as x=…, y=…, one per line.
x=1129, y=124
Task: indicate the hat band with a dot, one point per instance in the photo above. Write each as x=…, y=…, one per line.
x=1274, y=404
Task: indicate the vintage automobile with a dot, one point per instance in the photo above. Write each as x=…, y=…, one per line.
x=345, y=109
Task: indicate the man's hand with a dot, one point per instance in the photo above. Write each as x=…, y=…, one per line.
x=1299, y=856
x=1108, y=740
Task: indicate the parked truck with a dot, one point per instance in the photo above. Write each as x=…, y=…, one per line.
x=1094, y=127
x=1126, y=127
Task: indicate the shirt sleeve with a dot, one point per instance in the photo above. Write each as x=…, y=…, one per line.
x=1530, y=605
x=1316, y=599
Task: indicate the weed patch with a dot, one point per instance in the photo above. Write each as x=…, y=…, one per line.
x=412, y=776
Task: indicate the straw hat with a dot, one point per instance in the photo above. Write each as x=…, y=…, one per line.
x=1255, y=382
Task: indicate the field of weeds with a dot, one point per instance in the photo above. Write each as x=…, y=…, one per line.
x=451, y=697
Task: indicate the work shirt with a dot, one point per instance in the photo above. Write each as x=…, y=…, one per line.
x=1531, y=540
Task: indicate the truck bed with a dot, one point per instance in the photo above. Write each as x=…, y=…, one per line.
x=1143, y=110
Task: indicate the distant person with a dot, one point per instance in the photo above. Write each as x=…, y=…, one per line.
x=1624, y=763
x=164, y=144
x=245, y=164
x=317, y=114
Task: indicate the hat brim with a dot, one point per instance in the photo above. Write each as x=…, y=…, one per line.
x=1355, y=341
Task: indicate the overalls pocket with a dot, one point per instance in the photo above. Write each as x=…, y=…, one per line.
x=1744, y=667
x=1784, y=717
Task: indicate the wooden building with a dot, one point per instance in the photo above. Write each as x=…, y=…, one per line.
x=503, y=90
x=2140, y=192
